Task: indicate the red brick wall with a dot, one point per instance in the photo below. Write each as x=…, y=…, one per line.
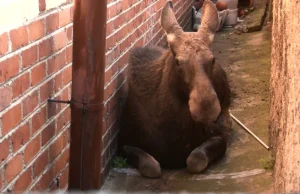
x=130, y=23
x=35, y=64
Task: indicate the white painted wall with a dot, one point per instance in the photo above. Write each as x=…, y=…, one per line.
x=53, y=3
x=14, y=13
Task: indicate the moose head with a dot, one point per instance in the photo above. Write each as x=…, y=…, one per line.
x=193, y=61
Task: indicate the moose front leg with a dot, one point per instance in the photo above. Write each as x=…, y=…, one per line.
x=147, y=165
x=213, y=148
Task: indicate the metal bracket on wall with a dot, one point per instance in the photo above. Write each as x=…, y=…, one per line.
x=59, y=101
x=85, y=106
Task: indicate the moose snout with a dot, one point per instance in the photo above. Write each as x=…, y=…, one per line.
x=204, y=109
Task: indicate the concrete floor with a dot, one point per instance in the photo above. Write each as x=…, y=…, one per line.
x=246, y=59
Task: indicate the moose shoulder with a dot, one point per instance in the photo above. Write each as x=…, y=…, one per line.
x=176, y=112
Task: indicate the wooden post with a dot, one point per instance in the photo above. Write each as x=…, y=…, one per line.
x=87, y=94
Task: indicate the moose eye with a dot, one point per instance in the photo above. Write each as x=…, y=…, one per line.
x=213, y=63
x=209, y=67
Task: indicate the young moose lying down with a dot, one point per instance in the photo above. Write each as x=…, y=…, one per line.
x=176, y=114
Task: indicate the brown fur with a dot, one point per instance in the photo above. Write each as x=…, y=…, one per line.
x=158, y=116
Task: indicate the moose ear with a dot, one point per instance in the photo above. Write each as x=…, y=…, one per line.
x=209, y=22
x=168, y=21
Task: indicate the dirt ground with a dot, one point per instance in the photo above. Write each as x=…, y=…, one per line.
x=246, y=59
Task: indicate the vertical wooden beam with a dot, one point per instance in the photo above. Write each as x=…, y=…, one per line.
x=87, y=94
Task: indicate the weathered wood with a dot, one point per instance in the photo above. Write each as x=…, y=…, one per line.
x=285, y=95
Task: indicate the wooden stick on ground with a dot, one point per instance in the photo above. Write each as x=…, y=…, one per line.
x=249, y=131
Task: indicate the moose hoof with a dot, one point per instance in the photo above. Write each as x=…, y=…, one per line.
x=147, y=165
x=197, y=162
x=150, y=169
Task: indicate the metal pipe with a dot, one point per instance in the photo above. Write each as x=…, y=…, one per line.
x=89, y=45
x=250, y=132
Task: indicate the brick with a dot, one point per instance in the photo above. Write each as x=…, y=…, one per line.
x=29, y=56
x=118, y=22
x=40, y=164
x=23, y=181
x=36, y=187
x=67, y=115
x=124, y=45
x=42, y=5
x=20, y=85
x=110, y=42
x=52, y=110
x=59, y=123
x=66, y=76
x=48, y=133
x=11, y=118
x=19, y=37
x=5, y=97
x=119, y=36
x=46, y=179
x=119, y=7
x=64, y=178
x=66, y=136
x=36, y=30
x=111, y=119
x=3, y=43
x=9, y=68
x=104, y=158
x=46, y=90
x=32, y=149
x=67, y=132
x=58, y=82
x=64, y=95
x=109, y=28
x=56, y=148
x=69, y=90
x=113, y=131
x=72, y=13
x=62, y=161
x=107, y=76
x=69, y=54
x=64, y=17
x=105, y=139
x=110, y=58
x=38, y=73
x=56, y=62
x=54, y=185
x=52, y=23
x=46, y=47
x=20, y=137
x=70, y=33
x=111, y=11
x=38, y=120
x=60, y=40
x=4, y=150
x=30, y=103
x=13, y=167
x=125, y=5
x=106, y=94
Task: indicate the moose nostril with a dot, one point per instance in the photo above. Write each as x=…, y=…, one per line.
x=171, y=4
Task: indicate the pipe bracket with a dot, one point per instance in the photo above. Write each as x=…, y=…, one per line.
x=85, y=106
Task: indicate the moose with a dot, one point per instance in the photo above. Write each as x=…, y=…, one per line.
x=176, y=113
